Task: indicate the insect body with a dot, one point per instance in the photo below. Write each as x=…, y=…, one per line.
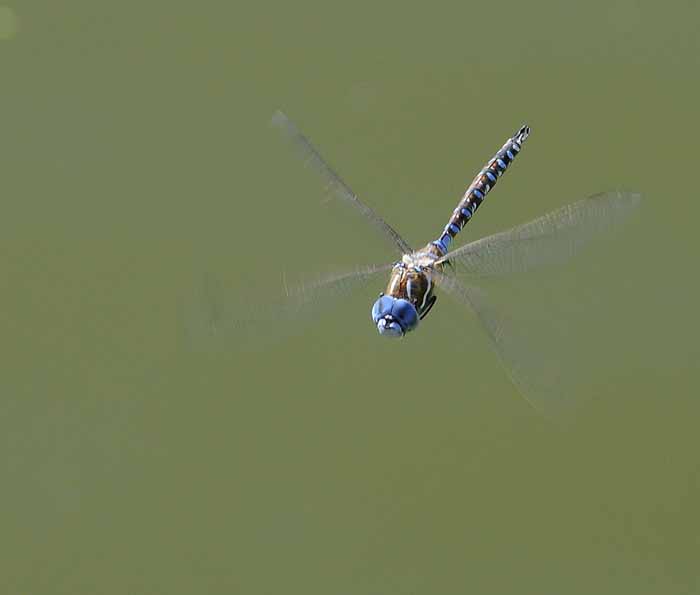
x=409, y=295
x=415, y=276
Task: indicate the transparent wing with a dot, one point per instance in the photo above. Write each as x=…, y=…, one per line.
x=334, y=184
x=215, y=318
x=551, y=239
x=538, y=363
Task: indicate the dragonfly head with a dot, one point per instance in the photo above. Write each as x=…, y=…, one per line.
x=394, y=317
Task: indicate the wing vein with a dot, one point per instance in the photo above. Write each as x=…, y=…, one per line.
x=551, y=239
x=334, y=183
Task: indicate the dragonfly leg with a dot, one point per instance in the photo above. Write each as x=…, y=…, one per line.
x=431, y=303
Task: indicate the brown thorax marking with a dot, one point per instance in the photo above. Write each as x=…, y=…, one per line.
x=412, y=277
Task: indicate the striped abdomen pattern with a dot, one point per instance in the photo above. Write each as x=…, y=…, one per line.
x=476, y=193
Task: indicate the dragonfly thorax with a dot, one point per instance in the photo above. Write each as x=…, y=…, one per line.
x=411, y=279
x=409, y=294
x=422, y=259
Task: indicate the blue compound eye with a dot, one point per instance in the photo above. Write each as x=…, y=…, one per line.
x=382, y=307
x=405, y=314
x=394, y=317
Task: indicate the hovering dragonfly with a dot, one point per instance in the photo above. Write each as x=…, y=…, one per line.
x=410, y=294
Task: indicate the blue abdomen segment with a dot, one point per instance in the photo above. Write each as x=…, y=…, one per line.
x=481, y=185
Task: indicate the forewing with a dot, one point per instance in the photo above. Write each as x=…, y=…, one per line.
x=538, y=361
x=216, y=319
x=548, y=240
x=335, y=186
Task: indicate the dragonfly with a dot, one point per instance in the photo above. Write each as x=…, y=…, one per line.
x=416, y=277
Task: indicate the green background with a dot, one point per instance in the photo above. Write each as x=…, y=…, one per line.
x=136, y=159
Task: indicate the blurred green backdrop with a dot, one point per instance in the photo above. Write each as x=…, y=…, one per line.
x=136, y=158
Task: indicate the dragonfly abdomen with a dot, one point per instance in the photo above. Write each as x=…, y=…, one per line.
x=481, y=185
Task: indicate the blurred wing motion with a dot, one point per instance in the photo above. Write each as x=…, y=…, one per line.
x=537, y=362
x=548, y=240
x=213, y=320
x=540, y=342
x=334, y=184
